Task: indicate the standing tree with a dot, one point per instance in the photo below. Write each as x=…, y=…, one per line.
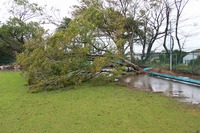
x=128, y=10
x=167, y=8
x=24, y=10
x=13, y=35
x=180, y=5
x=18, y=28
x=176, y=6
x=152, y=17
x=64, y=24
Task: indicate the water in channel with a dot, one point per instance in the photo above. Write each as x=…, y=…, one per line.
x=185, y=92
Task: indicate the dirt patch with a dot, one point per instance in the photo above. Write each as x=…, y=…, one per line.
x=159, y=70
x=174, y=73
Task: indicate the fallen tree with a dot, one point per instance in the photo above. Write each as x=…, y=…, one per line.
x=63, y=60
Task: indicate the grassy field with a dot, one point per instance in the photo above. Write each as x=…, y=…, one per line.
x=90, y=109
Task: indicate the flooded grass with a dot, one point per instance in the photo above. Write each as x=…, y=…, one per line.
x=185, y=92
x=91, y=108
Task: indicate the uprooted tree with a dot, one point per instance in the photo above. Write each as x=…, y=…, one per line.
x=62, y=59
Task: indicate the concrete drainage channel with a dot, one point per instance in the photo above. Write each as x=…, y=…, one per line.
x=189, y=93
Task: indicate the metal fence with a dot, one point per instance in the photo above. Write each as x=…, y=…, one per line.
x=187, y=62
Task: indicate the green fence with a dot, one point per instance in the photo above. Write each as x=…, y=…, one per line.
x=188, y=62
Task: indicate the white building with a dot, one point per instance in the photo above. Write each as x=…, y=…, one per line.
x=189, y=57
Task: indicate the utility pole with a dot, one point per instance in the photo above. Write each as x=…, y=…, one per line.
x=170, y=46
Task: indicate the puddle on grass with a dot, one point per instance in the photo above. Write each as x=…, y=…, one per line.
x=185, y=92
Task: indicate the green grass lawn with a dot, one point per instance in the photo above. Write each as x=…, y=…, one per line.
x=90, y=109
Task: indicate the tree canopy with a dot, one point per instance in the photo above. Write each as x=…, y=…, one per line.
x=13, y=35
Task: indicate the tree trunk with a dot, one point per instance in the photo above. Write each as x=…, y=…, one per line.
x=131, y=48
x=135, y=67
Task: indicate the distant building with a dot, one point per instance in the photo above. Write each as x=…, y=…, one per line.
x=136, y=56
x=189, y=57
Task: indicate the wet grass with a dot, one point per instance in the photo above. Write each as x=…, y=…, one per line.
x=91, y=109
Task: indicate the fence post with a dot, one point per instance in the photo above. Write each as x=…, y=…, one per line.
x=170, y=47
x=193, y=63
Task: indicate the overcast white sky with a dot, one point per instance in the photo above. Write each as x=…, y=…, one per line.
x=65, y=7
x=191, y=11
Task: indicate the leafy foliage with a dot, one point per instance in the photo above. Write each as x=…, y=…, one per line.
x=13, y=35
x=64, y=24
x=61, y=60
